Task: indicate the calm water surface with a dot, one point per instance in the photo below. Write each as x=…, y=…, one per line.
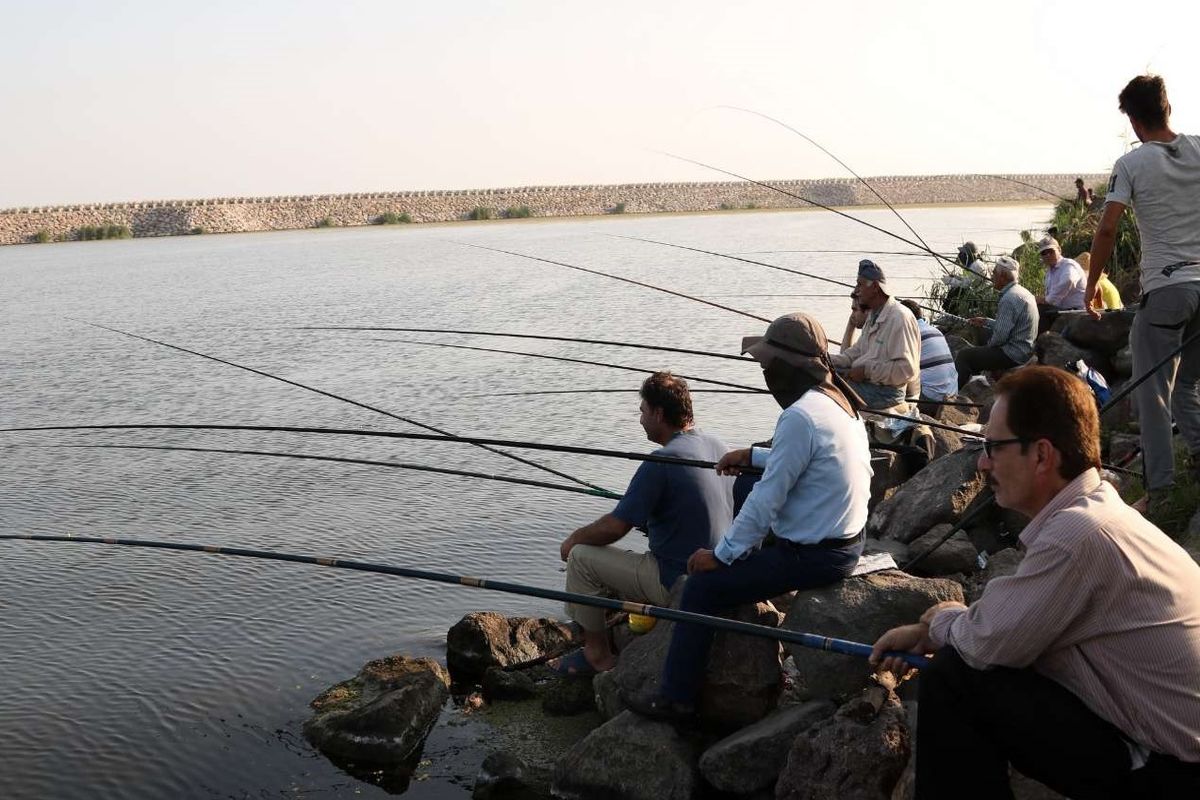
x=127, y=673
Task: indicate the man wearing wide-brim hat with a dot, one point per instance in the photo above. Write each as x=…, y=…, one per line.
x=813, y=494
x=883, y=366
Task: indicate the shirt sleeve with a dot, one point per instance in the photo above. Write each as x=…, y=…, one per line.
x=1058, y=284
x=1019, y=615
x=788, y=458
x=1006, y=318
x=643, y=494
x=1120, y=184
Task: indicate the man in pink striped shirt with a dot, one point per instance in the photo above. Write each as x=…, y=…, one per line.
x=1082, y=669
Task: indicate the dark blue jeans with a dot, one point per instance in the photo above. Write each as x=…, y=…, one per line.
x=763, y=574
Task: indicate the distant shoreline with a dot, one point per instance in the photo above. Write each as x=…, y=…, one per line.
x=246, y=214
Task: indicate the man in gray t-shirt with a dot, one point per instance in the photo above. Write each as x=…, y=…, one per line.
x=1161, y=181
x=682, y=509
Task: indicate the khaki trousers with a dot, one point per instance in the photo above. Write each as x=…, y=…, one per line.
x=611, y=572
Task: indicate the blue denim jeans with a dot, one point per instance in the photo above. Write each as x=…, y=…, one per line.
x=765, y=573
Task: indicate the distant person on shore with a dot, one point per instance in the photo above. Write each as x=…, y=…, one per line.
x=974, y=274
x=1013, y=330
x=1081, y=669
x=886, y=359
x=1081, y=193
x=813, y=494
x=680, y=508
x=1109, y=294
x=1065, y=280
x=939, y=378
x=1161, y=181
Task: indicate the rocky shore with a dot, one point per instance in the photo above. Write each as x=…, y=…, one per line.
x=773, y=721
x=241, y=214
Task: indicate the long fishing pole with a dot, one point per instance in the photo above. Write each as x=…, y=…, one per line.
x=572, y=361
x=1112, y=402
x=538, y=392
x=421, y=437
x=804, y=199
x=324, y=393
x=736, y=258
x=844, y=252
x=1030, y=185
x=847, y=167
x=618, y=278
x=608, y=342
x=562, y=487
x=808, y=640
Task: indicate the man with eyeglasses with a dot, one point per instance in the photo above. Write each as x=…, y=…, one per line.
x=883, y=363
x=1081, y=669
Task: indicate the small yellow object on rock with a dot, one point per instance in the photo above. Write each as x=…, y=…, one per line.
x=640, y=623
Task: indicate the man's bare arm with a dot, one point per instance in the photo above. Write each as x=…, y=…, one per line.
x=1102, y=248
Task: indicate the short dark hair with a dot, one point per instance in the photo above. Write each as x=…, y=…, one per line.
x=1144, y=99
x=912, y=306
x=1050, y=403
x=665, y=391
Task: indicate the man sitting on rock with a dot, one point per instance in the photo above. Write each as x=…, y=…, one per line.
x=938, y=379
x=681, y=508
x=1081, y=669
x=880, y=365
x=1065, y=280
x=1013, y=330
x=813, y=494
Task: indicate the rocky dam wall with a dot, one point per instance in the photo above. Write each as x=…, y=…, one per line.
x=239, y=214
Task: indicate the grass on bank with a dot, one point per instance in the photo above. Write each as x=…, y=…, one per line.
x=326, y=222
x=480, y=213
x=87, y=233
x=392, y=218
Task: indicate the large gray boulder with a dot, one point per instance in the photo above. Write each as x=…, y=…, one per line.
x=742, y=676
x=382, y=715
x=504, y=776
x=487, y=639
x=939, y=493
x=751, y=759
x=630, y=758
x=889, y=472
x=956, y=555
x=860, y=609
x=1053, y=350
x=860, y=752
x=1104, y=336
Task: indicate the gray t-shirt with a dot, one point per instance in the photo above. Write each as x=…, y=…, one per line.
x=682, y=508
x=1161, y=180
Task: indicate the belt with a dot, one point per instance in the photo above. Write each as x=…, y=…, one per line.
x=824, y=544
x=1171, y=268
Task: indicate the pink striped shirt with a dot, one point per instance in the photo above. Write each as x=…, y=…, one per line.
x=1106, y=605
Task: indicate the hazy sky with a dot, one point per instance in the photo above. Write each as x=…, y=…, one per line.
x=163, y=99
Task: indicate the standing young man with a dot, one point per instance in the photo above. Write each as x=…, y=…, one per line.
x=1161, y=181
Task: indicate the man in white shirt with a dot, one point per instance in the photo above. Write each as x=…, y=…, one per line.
x=1065, y=281
x=1161, y=181
x=813, y=494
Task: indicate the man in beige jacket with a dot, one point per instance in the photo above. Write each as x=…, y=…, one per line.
x=886, y=360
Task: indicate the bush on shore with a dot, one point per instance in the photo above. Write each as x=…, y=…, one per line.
x=87, y=233
x=480, y=212
x=392, y=218
x=326, y=222
x=517, y=212
x=43, y=236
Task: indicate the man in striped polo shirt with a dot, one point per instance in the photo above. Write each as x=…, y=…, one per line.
x=939, y=378
x=1082, y=668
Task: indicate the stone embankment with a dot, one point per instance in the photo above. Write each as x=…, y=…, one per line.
x=241, y=214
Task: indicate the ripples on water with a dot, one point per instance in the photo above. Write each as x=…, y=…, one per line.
x=130, y=673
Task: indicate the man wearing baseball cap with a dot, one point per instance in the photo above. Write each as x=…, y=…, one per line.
x=884, y=364
x=813, y=494
x=1013, y=329
x=1065, y=280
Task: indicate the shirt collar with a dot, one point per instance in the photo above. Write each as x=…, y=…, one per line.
x=1084, y=484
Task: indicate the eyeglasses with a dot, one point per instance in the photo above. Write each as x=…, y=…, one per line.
x=990, y=445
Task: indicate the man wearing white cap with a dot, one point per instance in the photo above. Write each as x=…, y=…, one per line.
x=1065, y=280
x=1013, y=329
x=887, y=359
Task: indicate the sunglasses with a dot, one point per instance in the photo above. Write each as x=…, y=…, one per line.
x=991, y=445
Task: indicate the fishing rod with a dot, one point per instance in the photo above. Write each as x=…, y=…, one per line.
x=1058, y=197
x=357, y=461
x=324, y=393
x=573, y=361
x=1115, y=398
x=845, y=252
x=537, y=392
x=804, y=199
x=608, y=342
x=421, y=437
x=736, y=258
x=808, y=640
x=860, y=178
x=618, y=278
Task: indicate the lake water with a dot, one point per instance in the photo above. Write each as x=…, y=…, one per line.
x=128, y=673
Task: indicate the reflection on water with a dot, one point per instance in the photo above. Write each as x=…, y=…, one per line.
x=131, y=673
